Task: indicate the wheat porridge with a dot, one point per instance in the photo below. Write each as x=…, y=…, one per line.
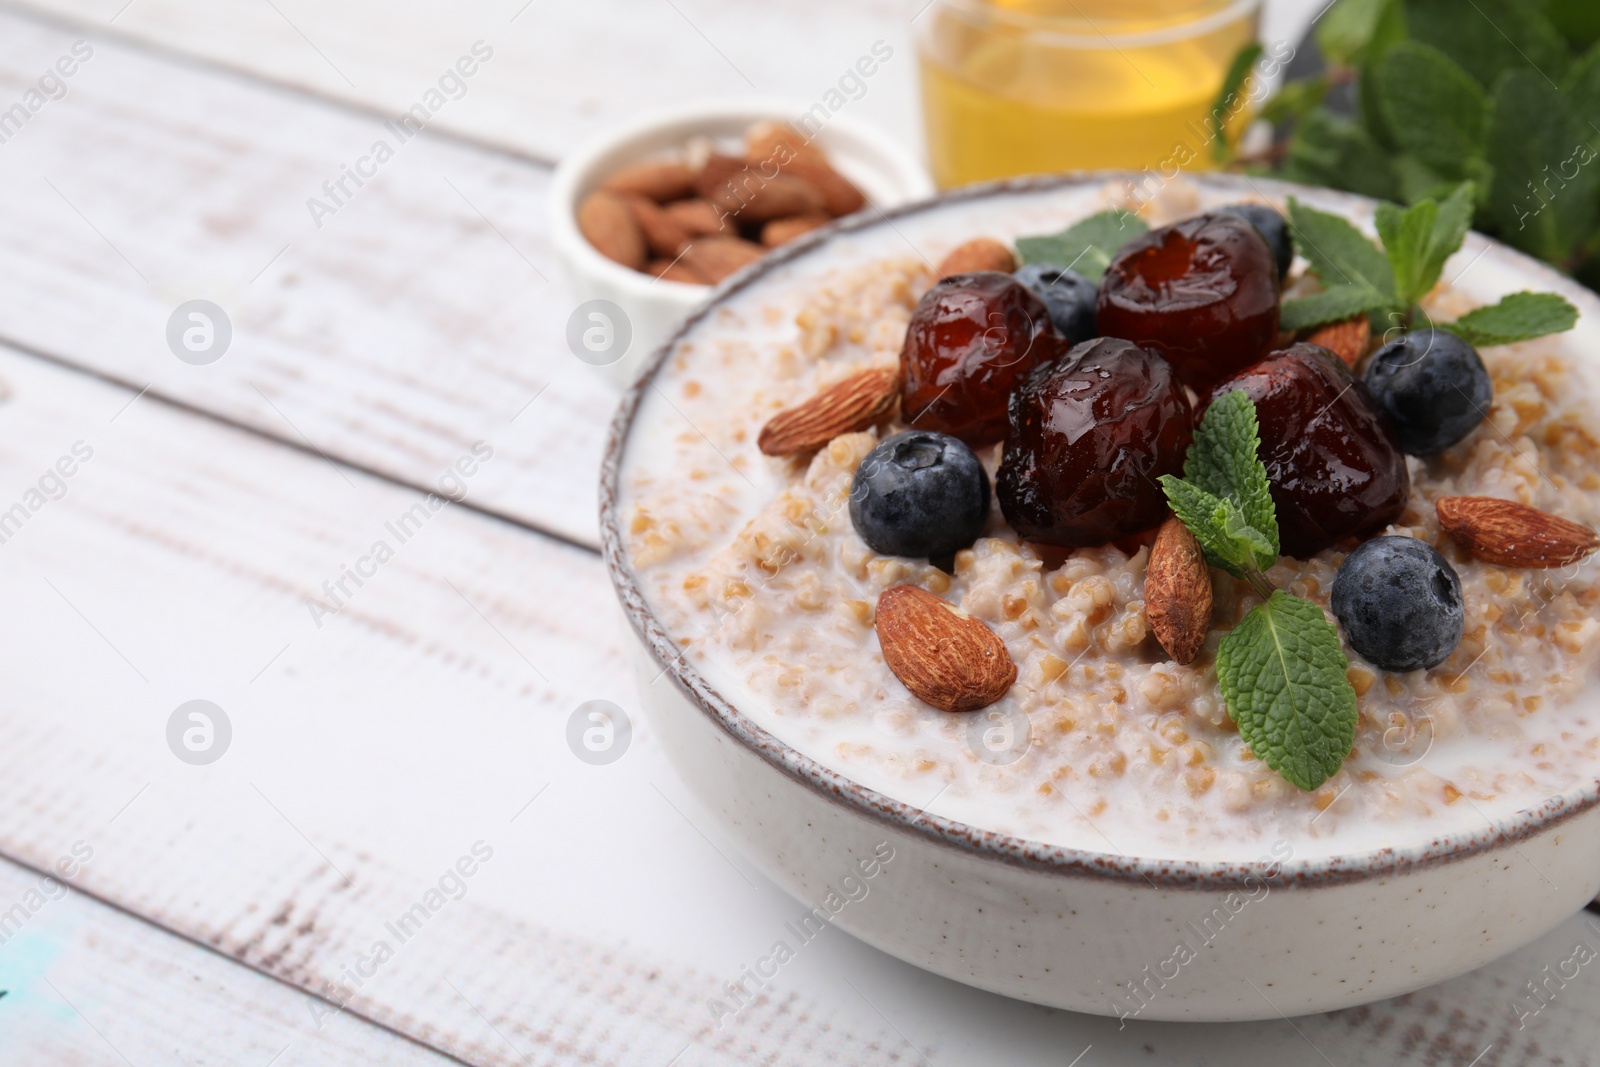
x=1108, y=736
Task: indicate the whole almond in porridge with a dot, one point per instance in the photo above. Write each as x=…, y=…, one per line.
x=1241, y=689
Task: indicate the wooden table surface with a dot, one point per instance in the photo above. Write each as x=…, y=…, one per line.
x=154, y=911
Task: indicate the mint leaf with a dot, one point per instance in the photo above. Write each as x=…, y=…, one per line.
x=1228, y=539
x=1545, y=189
x=1282, y=673
x=1418, y=181
x=1490, y=37
x=1405, y=233
x=1351, y=27
x=1225, y=461
x=1224, y=498
x=1577, y=20
x=1341, y=255
x=1331, y=305
x=1329, y=149
x=1228, y=103
x=1086, y=246
x=1518, y=317
x=1294, y=100
x=1419, y=239
x=1582, y=83
x=1370, y=114
x=1429, y=105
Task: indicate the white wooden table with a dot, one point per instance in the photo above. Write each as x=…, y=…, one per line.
x=230, y=912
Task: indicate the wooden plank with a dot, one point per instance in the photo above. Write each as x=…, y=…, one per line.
x=560, y=71
x=427, y=313
x=372, y=753
x=84, y=984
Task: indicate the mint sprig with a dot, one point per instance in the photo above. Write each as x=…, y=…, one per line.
x=1086, y=246
x=1340, y=254
x=1348, y=265
x=1331, y=305
x=1224, y=460
x=1518, y=317
x=1225, y=535
x=1223, y=496
x=1282, y=669
x=1360, y=278
x=1418, y=240
x=1282, y=673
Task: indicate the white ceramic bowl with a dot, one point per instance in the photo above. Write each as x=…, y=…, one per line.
x=1092, y=931
x=881, y=170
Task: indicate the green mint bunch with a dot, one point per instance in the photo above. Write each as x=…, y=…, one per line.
x=1360, y=278
x=1502, y=93
x=1282, y=669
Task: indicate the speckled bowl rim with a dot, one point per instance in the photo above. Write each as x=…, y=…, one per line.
x=973, y=840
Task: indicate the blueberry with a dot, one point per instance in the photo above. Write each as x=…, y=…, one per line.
x=1272, y=226
x=1433, y=387
x=1068, y=295
x=919, y=493
x=1400, y=603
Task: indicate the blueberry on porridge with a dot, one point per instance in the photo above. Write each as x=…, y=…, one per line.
x=1433, y=386
x=1069, y=296
x=919, y=494
x=1272, y=226
x=1399, y=603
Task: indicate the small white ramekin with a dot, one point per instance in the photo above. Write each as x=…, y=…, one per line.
x=880, y=168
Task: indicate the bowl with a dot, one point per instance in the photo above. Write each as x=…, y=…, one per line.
x=1252, y=936
x=878, y=167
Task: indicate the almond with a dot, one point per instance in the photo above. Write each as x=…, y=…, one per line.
x=755, y=195
x=944, y=656
x=780, y=196
x=782, y=231
x=779, y=144
x=1177, y=591
x=606, y=221
x=699, y=217
x=673, y=271
x=1509, y=534
x=1347, y=339
x=980, y=253
x=839, y=194
x=719, y=170
x=714, y=258
x=846, y=407
x=661, y=231
x=659, y=180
